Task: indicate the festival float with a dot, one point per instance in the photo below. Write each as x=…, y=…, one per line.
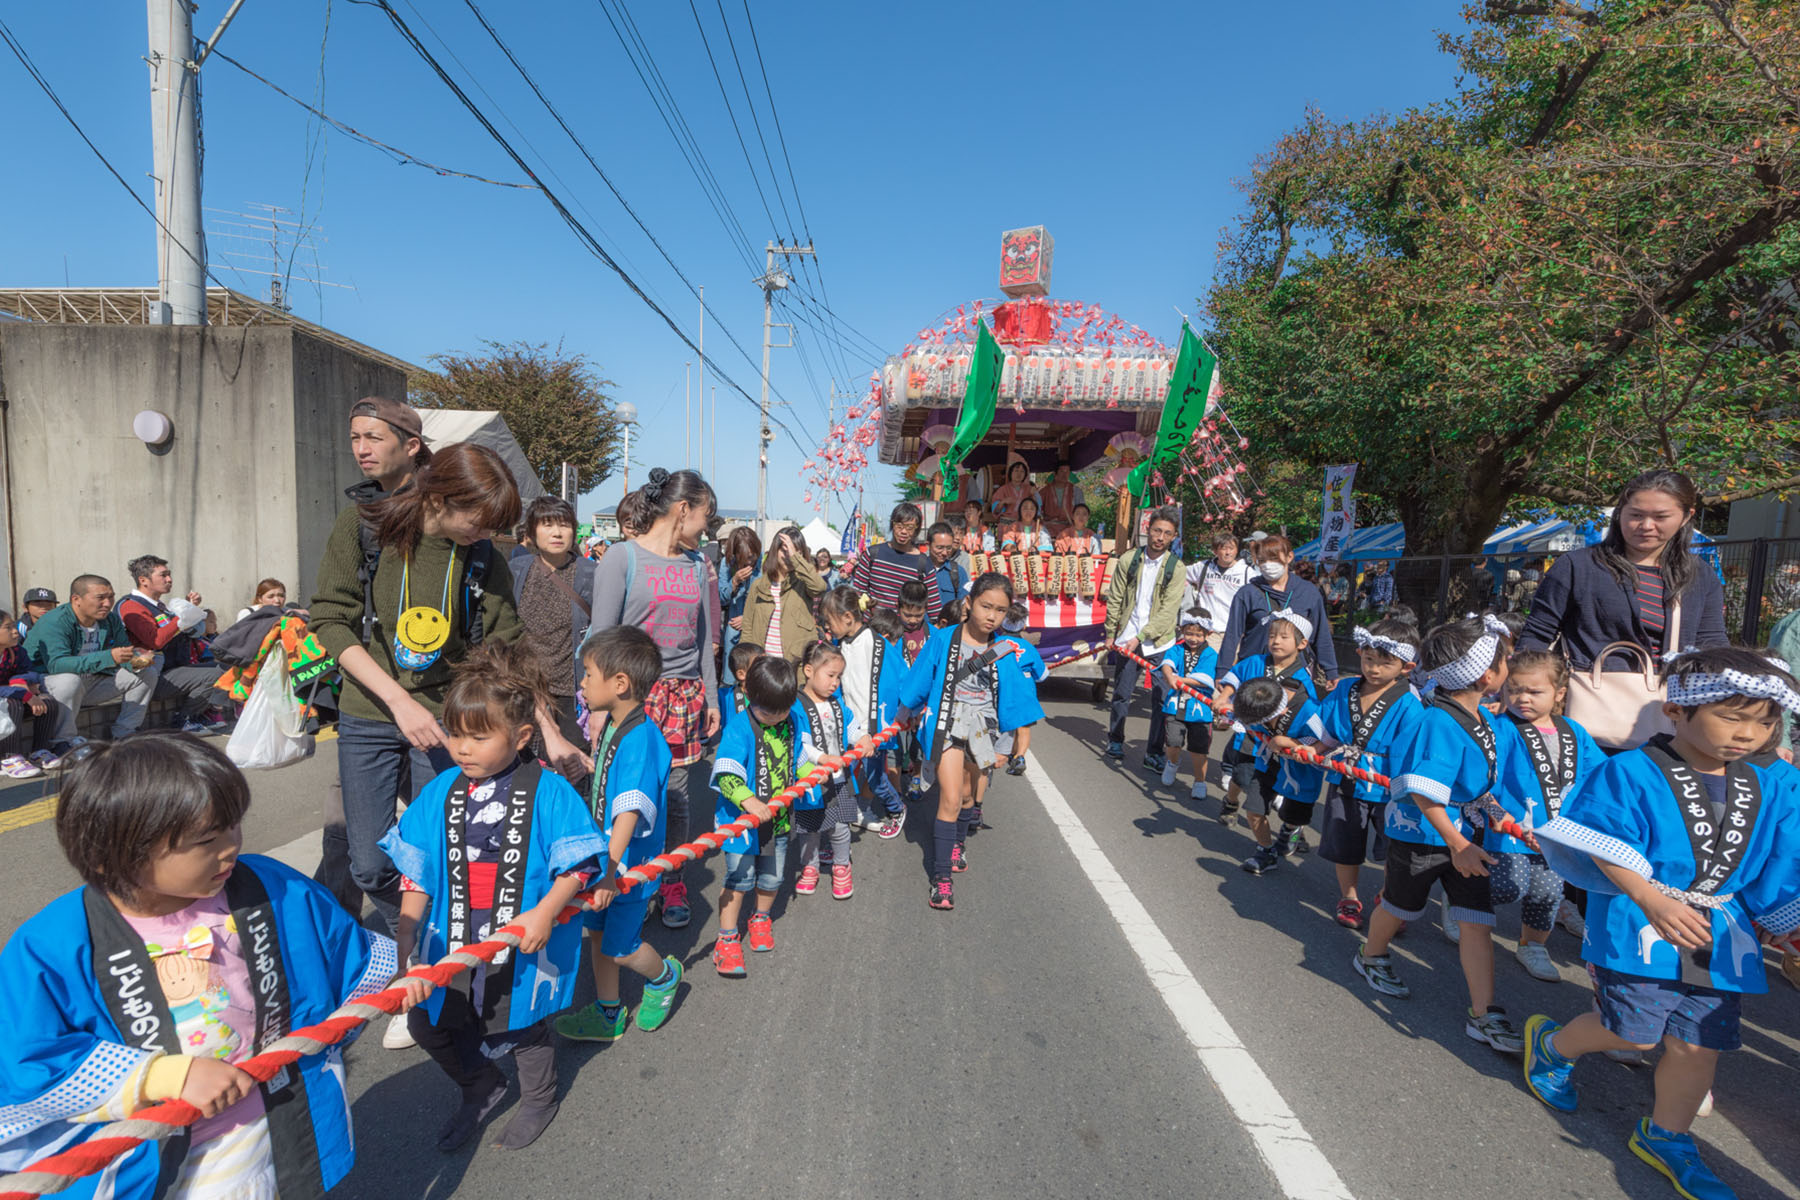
x=1043, y=381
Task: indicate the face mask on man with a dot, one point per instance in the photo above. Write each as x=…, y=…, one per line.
x=1273, y=570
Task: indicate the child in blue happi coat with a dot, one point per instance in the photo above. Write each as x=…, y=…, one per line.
x=828, y=728
x=758, y=756
x=1253, y=774
x=498, y=839
x=1686, y=847
x=1281, y=716
x=1189, y=718
x=177, y=958
x=631, y=773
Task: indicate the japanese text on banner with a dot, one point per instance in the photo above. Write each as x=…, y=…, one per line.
x=1337, y=519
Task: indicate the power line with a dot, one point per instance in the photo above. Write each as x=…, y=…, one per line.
x=755, y=121
x=729, y=112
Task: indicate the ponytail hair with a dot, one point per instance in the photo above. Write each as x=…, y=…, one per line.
x=497, y=686
x=463, y=477
x=845, y=601
x=663, y=490
x=817, y=653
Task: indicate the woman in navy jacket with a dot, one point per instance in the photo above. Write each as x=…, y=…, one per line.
x=1622, y=589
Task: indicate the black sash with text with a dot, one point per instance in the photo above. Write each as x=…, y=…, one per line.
x=1718, y=844
x=1554, y=777
x=509, y=882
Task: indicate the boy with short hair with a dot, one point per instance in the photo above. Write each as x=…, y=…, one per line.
x=1188, y=717
x=1685, y=847
x=1253, y=772
x=758, y=756
x=38, y=601
x=1449, y=765
x=1283, y=716
x=631, y=772
x=1368, y=716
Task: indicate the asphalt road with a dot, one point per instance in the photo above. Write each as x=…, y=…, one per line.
x=1114, y=1008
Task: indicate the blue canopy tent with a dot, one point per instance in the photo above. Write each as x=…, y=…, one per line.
x=1376, y=541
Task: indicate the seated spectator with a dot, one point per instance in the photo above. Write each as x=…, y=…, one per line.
x=38, y=601
x=169, y=631
x=22, y=691
x=270, y=593
x=82, y=650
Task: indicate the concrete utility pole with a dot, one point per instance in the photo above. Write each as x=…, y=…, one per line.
x=175, y=145
x=700, y=432
x=687, y=416
x=771, y=281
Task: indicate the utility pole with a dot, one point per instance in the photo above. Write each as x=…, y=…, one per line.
x=715, y=430
x=175, y=147
x=687, y=427
x=700, y=434
x=771, y=281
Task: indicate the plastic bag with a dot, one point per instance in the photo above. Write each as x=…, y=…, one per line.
x=272, y=730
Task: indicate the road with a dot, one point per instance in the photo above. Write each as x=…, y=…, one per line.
x=1114, y=1008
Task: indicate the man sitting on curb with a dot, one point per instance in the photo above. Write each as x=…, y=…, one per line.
x=85, y=654
x=155, y=627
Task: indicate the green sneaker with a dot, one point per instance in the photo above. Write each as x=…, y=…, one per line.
x=653, y=1008
x=590, y=1025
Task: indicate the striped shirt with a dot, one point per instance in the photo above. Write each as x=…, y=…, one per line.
x=880, y=570
x=1652, y=614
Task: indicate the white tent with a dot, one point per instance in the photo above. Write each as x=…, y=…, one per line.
x=820, y=536
x=444, y=426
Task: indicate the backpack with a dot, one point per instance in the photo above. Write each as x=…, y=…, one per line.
x=474, y=585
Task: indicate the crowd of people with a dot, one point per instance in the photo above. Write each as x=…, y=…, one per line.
x=553, y=722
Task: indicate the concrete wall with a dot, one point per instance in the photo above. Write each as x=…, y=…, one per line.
x=246, y=488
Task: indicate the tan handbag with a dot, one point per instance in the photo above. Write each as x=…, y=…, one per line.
x=1622, y=710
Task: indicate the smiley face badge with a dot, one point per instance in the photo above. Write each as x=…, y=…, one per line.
x=421, y=631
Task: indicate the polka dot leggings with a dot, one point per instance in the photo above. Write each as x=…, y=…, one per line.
x=1527, y=878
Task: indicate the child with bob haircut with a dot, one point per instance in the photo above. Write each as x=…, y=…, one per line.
x=827, y=729
x=1685, y=846
x=631, y=775
x=1188, y=717
x=758, y=756
x=455, y=851
x=178, y=957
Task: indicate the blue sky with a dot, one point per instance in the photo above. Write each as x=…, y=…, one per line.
x=917, y=134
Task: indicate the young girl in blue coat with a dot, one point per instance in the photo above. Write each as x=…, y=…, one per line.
x=966, y=689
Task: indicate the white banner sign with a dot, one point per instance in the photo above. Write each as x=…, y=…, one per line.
x=1337, y=519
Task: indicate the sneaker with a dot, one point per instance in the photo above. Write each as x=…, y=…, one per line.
x=1265, y=859
x=17, y=766
x=1301, y=849
x=1349, y=913
x=1154, y=763
x=868, y=820
x=1284, y=844
x=1493, y=1028
x=1706, y=1106
x=1016, y=766
x=842, y=888
x=654, y=1008
x=589, y=1024
x=939, y=896
x=892, y=826
x=1452, y=929
x=1569, y=917
x=1379, y=974
x=1536, y=961
x=1115, y=749
x=959, y=860
x=1168, y=773
x=1198, y=792
x=675, y=913
x=1678, y=1158
x=762, y=931
x=1546, y=1071
x=48, y=760
x=728, y=957
x=808, y=882
x=397, y=1036
x=1229, y=809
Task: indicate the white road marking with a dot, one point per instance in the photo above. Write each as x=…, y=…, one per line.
x=1299, y=1166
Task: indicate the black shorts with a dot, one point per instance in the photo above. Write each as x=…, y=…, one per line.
x=1231, y=756
x=1412, y=869
x=1258, y=786
x=1193, y=736
x=1354, y=831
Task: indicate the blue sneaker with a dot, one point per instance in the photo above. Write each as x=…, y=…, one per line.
x=1115, y=749
x=1546, y=1071
x=1678, y=1158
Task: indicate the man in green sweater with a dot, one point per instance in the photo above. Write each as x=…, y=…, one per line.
x=87, y=658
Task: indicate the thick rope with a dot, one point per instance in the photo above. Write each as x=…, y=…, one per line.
x=119, y=1138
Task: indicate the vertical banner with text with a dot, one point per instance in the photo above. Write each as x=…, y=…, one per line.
x=1337, y=519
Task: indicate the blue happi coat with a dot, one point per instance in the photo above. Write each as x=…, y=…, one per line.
x=1521, y=791
x=1295, y=780
x=812, y=739
x=67, y=1056
x=737, y=756
x=562, y=837
x=1256, y=666
x=635, y=770
x=1015, y=704
x=1029, y=658
x=1441, y=763
x=1627, y=813
x=1195, y=667
x=1395, y=729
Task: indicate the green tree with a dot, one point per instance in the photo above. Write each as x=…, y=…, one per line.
x=555, y=404
x=1583, y=264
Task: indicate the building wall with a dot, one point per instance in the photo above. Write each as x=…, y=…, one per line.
x=247, y=487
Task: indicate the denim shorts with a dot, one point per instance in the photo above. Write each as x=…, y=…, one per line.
x=1642, y=1010
x=758, y=872
x=621, y=923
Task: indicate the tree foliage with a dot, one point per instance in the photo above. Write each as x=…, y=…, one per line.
x=1583, y=264
x=555, y=405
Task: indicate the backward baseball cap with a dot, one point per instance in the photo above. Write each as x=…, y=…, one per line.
x=404, y=418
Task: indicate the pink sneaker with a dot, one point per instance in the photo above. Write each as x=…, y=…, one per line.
x=808, y=883
x=891, y=826
x=841, y=886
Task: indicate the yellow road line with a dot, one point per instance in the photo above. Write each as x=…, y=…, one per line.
x=28, y=814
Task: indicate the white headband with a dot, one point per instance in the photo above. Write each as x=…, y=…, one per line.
x=1296, y=620
x=1387, y=645
x=1689, y=690
x=1461, y=674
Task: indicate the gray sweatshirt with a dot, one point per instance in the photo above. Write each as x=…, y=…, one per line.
x=667, y=599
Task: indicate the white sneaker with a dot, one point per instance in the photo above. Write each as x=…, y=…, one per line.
x=1569, y=917
x=1706, y=1106
x=396, y=1036
x=1536, y=961
x=1168, y=775
x=1452, y=929
x=1198, y=793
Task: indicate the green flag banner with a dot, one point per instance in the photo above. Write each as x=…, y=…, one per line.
x=979, y=401
x=1190, y=386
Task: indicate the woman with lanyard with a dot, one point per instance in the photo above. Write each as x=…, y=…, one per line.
x=659, y=582
x=739, y=565
x=1641, y=584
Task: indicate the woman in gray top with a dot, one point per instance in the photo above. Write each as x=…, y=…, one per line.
x=659, y=582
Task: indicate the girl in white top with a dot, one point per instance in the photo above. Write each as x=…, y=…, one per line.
x=845, y=612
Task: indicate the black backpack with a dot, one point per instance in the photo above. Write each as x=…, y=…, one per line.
x=474, y=585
